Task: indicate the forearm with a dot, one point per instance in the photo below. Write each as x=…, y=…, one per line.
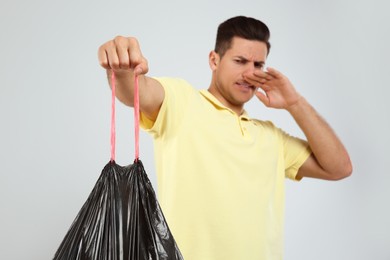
x=151, y=93
x=327, y=148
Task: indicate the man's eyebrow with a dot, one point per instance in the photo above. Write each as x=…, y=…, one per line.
x=257, y=63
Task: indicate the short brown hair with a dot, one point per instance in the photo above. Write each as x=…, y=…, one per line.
x=240, y=26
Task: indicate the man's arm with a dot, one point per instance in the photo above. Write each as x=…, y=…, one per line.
x=123, y=56
x=330, y=159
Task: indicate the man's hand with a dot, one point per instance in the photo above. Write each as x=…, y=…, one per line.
x=278, y=90
x=123, y=54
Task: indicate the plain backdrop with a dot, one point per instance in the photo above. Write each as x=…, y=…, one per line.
x=55, y=110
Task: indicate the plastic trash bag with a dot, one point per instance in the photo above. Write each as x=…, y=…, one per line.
x=121, y=219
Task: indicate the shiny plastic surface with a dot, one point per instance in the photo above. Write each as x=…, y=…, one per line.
x=121, y=219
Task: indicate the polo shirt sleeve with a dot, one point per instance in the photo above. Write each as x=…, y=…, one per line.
x=296, y=152
x=176, y=99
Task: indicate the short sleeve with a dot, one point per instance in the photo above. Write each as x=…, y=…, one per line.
x=296, y=152
x=172, y=110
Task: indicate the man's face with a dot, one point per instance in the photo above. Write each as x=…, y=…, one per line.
x=243, y=58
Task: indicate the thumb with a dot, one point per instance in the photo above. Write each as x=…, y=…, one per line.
x=138, y=70
x=141, y=68
x=262, y=97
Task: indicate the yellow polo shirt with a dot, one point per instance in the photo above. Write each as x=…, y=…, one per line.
x=221, y=176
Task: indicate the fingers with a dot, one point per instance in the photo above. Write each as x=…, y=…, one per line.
x=260, y=80
x=274, y=73
x=267, y=75
x=265, y=80
x=262, y=97
x=103, y=59
x=265, y=87
x=122, y=53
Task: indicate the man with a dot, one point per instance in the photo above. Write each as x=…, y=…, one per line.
x=221, y=173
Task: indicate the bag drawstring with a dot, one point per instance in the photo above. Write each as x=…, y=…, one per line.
x=136, y=117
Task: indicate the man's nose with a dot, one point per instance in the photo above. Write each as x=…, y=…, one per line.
x=249, y=69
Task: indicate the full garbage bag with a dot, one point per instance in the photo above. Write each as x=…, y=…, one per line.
x=121, y=219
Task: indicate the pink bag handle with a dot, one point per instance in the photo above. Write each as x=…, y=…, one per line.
x=136, y=117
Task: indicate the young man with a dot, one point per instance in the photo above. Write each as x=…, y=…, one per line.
x=221, y=173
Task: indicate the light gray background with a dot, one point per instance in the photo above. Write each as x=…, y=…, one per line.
x=55, y=110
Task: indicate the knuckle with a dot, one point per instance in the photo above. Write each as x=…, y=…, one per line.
x=119, y=38
x=104, y=64
x=123, y=65
x=132, y=40
x=109, y=44
x=121, y=42
x=115, y=64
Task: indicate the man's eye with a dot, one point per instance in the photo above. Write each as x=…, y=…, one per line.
x=259, y=65
x=240, y=61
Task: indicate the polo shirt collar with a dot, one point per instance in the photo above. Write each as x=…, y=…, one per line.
x=212, y=99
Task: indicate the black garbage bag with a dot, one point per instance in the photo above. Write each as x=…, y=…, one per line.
x=121, y=219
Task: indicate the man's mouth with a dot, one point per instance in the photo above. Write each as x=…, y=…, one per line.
x=245, y=85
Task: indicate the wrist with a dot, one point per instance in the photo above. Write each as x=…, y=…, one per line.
x=297, y=106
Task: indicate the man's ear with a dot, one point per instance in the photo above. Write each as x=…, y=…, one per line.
x=214, y=60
